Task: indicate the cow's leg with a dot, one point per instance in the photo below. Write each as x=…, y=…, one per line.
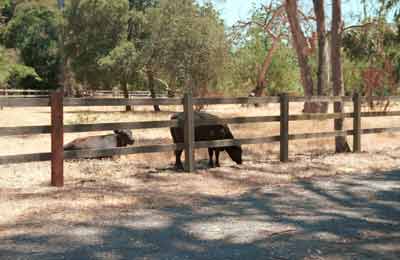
x=178, y=162
x=210, y=157
x=217, y=157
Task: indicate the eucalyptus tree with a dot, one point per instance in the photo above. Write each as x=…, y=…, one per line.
x=337, y=80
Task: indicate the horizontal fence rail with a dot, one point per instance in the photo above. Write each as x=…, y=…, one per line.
x=46, y=93
x=380, y=130
x=121, y=101
x=24, y=158
x=24, y=102
x=31, y=91
x=80, y=154
x=380, y=114
x=91, y=153
x=113, y=126
x=320, y=99
x=189, y=145
x=46, y=129
x=24, y=92
x=385, y=98
x=239, y=100
x=25, y=130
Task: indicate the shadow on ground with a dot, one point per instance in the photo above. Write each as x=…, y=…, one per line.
x=350, y=217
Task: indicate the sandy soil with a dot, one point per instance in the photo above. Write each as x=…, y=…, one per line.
x=266, y=210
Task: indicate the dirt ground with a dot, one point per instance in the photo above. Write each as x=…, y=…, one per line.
x=227, y=213
x=317, y=206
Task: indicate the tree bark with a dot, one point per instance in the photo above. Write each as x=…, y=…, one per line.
x=320, y=16
x=150, y=77
x=300, y=44
x=126, y=95
x=322, y=57
x=341, y=144
x=261, y=82
x=171, y=88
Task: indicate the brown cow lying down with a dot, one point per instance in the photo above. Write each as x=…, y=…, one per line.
x=206, y=133
x=120, y=138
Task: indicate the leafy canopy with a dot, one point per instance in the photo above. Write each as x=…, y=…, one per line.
x=33, y=31
x=94, y=28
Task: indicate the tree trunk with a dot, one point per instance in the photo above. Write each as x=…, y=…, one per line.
x=150, y=77
x=341, y=144
x=126, y=95
x=322, y=57
x=261, y=82
x=300, y=44
x=320, y=15
x=171, y=88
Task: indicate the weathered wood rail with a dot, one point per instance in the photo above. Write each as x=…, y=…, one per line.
x=24, y=92
x=98, y=93
x=57, y=129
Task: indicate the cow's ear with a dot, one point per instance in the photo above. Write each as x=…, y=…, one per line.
x=117, y=131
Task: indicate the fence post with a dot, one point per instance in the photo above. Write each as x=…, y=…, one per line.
x=189, y=133
x=284, y=135
x=57, y=139
x=356, y=122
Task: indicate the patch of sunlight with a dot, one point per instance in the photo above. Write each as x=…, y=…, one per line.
x=236, y=230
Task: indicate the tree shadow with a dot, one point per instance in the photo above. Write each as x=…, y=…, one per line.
x=349, y=217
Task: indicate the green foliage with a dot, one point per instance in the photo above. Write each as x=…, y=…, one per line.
x=371, y=43
x=284, y=75
x=187, y=43
x=376, y=47
x=122, y=62
x=352, y=74
x=248, y=57
x=21, y=76
x=7, y=9
x=14, y=75
x=142, y=5
x=33, y=31
x=391, y=5
x=94, y=28
x=4, y=67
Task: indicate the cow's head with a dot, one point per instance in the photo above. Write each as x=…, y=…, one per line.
x=124, y=137
x=235, y=152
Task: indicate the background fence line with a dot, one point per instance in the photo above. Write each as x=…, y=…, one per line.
x=88, y=93
x=57, y=101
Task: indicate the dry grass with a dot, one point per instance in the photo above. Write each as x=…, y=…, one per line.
x=148, y=180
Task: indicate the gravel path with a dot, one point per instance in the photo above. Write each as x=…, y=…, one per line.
x=346, y=217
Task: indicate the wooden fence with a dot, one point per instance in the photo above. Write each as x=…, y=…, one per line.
x=96, y=93
x=24, y=92
x=57, y=128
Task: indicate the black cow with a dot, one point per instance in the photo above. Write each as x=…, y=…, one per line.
x=120, y=138
x=206, y=133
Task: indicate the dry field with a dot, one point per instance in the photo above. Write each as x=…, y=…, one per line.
x=119, y=186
